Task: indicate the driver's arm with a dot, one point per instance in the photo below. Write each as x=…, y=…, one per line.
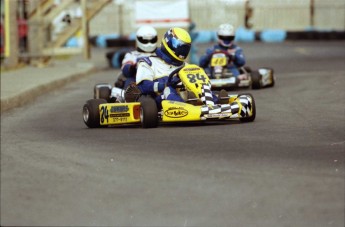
x=129, y=65
x=239, y=59
x=205, y=59
x=145, y=79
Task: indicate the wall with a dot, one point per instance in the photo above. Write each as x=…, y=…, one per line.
x=290, y=15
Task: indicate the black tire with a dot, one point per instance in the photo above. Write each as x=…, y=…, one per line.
x=102, y=91
x=91, y=115
x=248, y=69
x=120, y=82
x=256, y=79
x=148, y=112
x=251, y=118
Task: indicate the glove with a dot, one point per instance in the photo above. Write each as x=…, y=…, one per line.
x=174, y=81
x=132, y=93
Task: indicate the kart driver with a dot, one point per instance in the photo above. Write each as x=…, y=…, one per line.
x=226, y=36
x=153, y=72
x=146, y=44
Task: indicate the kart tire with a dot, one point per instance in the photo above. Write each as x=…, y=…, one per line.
x=148, y=112
x=273, y=78
x=120, y=82
x=248, y=69
x=251, y=118
x=102, y=91
x=256, y=79
x=91, y=115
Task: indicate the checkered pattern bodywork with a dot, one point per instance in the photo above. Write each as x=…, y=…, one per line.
x=242, y=107
x=246, y=109
x=206, y=95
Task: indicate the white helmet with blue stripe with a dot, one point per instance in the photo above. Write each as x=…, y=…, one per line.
x=226, y=34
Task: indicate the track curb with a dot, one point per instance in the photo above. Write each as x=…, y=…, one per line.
x=30, y=95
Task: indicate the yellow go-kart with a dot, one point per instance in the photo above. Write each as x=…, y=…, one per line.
x=194, y=87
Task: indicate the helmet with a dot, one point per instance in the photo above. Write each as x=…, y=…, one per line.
x=226, y=34
x=176, y=44
x=146, y=39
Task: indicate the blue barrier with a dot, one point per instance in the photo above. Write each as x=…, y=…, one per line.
x=244, y=35
x=101, y=39
x=115, y=60
x=205, y=37
x=73, y=42
x=273, y=36
x=132, y=36
x=194, y=59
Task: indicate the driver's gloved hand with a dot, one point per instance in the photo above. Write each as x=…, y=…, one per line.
x=174, y=81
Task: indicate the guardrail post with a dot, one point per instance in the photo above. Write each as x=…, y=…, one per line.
x=85, y=30
x=11, y=34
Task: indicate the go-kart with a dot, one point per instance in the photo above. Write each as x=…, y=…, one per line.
x=132, y=107
x=221, y=77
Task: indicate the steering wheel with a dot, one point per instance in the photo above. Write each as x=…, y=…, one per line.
x=172, y=82
x=221, y=51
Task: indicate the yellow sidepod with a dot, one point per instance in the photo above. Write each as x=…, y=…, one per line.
x=119, y=113
x=178, y=111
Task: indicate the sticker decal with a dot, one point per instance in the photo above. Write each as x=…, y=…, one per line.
x=176, y=112
x=120, y=115
x=119, y=109
x=120, y=119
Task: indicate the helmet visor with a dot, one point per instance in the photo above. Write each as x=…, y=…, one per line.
x=146, y=41
x=226, y=39
x=180, y=48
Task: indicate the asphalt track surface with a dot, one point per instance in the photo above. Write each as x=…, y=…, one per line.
x=284, y=169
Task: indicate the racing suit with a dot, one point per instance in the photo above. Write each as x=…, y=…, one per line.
x=129, y=65
x=237, y=59
x=152, y=76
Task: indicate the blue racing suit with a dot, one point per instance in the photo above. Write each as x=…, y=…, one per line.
x=237, y=58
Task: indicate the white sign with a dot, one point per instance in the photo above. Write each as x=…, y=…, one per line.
x=164, y=13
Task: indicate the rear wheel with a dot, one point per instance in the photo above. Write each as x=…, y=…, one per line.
x=256, y=79
x=148, y=112
x=102, y=91
x=248, y=102
x=91, y=115
x=120, y=82
x=247, y=69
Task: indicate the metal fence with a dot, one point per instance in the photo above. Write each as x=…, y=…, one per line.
x=290, y=15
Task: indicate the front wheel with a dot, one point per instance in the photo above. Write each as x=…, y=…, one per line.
x=148, y=112
x=91, y=114
x=256, y=79
x=248, y=107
